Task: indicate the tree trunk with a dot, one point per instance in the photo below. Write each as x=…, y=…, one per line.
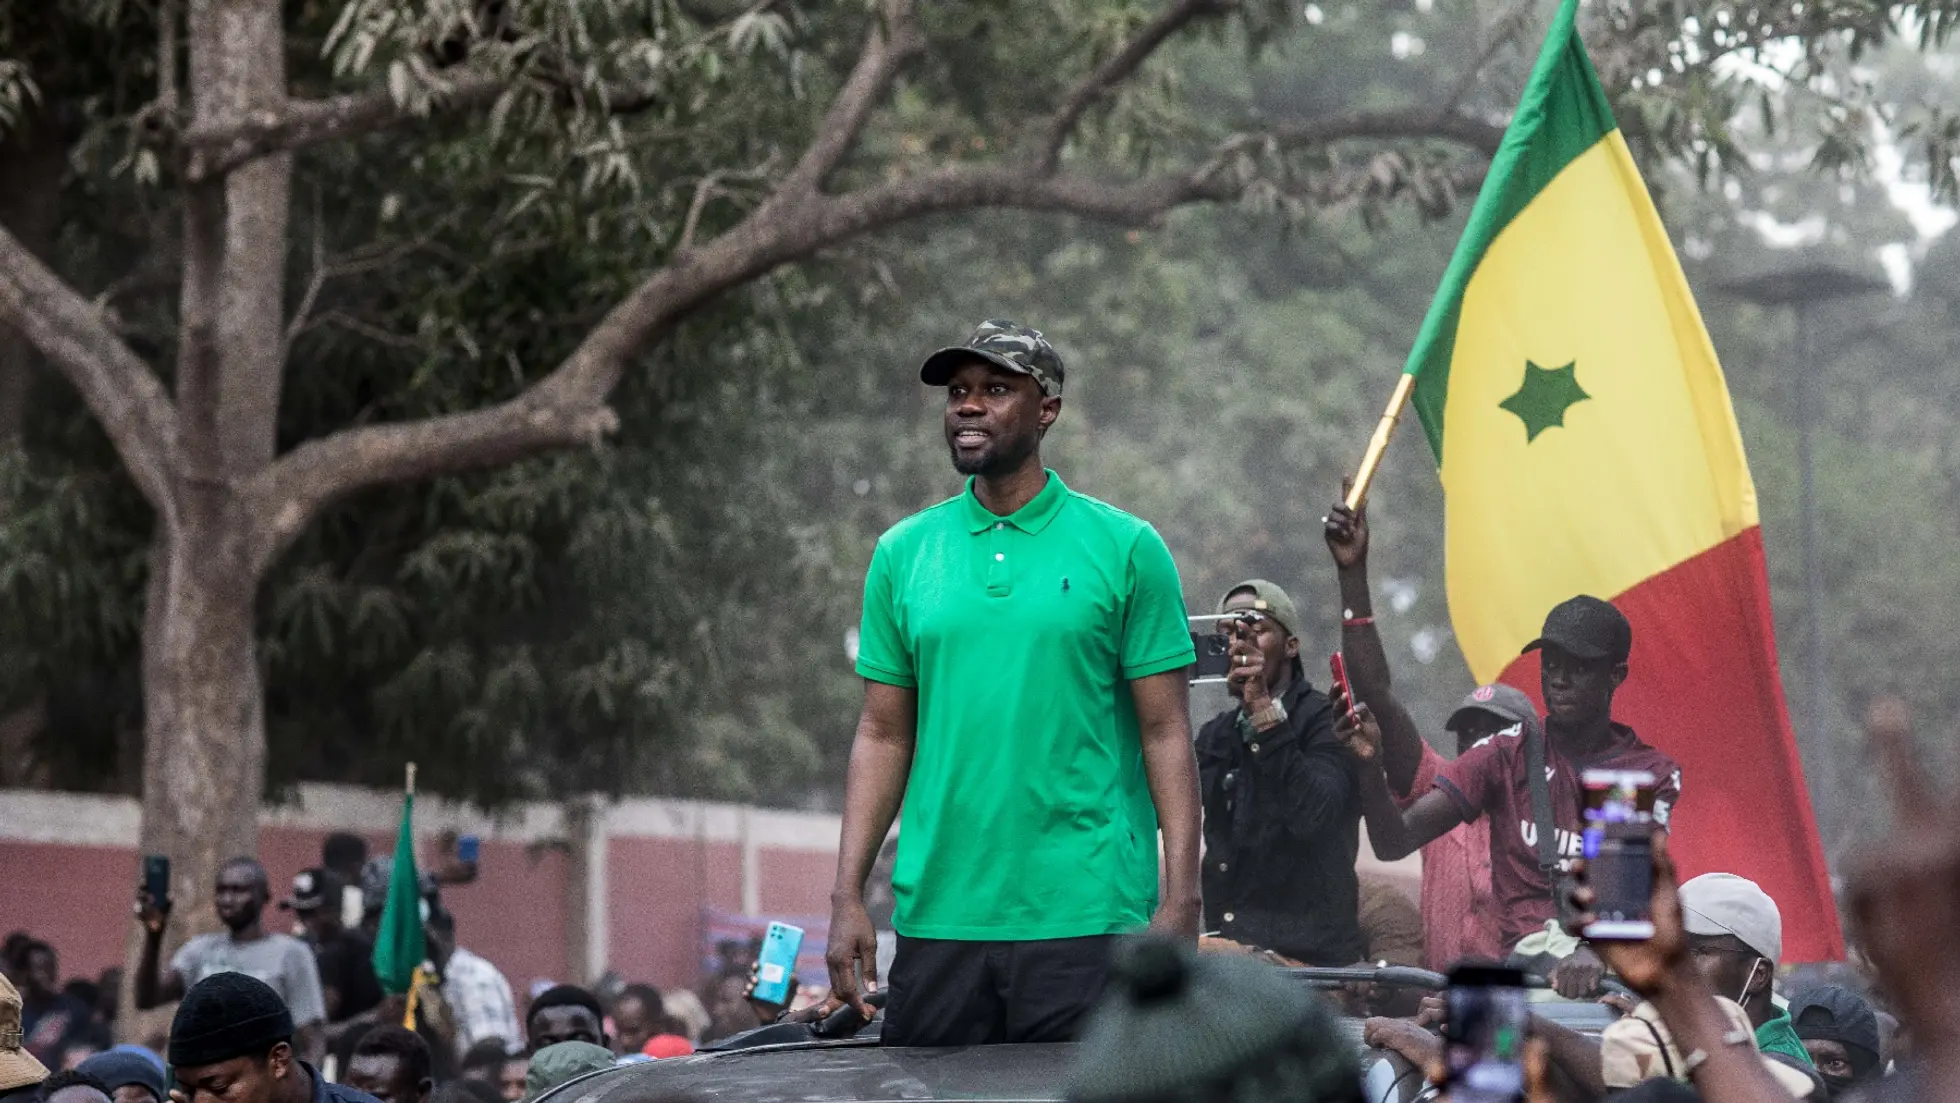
x=204, y=714
x=203, y=710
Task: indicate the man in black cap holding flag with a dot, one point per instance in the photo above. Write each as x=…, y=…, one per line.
x=1584, y=649
x=232, y=1042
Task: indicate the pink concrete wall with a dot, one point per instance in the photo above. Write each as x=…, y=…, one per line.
x=655, y=890
x=796, y=882
x=75, y=898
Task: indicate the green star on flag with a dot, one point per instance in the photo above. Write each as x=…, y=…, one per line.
x=1545, y=396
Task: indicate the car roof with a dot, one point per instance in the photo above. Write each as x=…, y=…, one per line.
x=842, y=1070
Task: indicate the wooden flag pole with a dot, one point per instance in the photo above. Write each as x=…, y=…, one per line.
x=1371, y=460
x=410, y=788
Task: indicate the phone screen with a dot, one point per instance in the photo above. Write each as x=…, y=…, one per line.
x=1483, y=1039
x=468, y=848
x=1618, y=813
x=156, y=878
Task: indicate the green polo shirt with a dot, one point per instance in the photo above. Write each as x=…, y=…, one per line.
x=1027, y=815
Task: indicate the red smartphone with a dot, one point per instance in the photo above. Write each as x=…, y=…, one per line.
x=1339, y=670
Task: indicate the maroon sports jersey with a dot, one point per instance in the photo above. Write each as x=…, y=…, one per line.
x=1489, y=780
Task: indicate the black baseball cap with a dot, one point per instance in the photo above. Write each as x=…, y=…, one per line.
x=313, y=889
x=1586, y=628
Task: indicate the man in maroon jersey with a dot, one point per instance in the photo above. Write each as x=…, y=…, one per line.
x=1583, y=648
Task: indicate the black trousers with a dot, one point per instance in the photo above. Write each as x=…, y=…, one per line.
x=947, y=992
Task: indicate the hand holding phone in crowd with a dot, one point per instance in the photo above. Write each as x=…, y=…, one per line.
x=1618, y=817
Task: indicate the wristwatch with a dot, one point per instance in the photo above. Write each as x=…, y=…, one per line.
x=1273, y=715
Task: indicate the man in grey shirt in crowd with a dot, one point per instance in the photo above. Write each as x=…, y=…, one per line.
x=280, y=960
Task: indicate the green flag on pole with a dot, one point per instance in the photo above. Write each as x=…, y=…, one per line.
x=399, y=944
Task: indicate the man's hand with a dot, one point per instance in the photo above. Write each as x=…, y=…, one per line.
x=1578, y=976
x=152, y=913
x=1433, y=1011
x=853, y=945
x=1647, y=966
x=1347, y=531
x=1358, y=731
x=766, y=1012
x=1246, y=678
x=1178, y=919
x=1421, y=1048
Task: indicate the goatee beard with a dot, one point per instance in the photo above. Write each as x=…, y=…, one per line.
x=1006, y=457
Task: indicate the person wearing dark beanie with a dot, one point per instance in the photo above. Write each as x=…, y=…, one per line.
x=232, y=1042
x=131, y=1076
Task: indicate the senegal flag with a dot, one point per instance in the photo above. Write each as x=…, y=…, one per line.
x=1587, y=446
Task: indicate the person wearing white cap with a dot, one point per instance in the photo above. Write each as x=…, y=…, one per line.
x=1735, y=938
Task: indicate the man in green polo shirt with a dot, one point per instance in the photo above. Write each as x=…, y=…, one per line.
x=1024, y=650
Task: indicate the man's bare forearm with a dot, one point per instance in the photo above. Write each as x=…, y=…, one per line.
x=1573, y=1055
x=1170, y=767
x=146, y=988
x=1172, y=770
x=1732, y=1072
x=874, y=787
x=1368, y=674
x=1388, y=834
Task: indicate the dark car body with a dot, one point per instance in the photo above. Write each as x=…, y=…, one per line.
x=803, y=1069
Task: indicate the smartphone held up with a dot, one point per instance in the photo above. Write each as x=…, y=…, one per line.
x=775, y=963
x=1211, y=638
x=1618, y=822
x=1483, y=1037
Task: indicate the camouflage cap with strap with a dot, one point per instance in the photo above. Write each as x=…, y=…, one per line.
x=1003, y=344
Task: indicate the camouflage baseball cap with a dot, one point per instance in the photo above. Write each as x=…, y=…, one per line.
x=1003, y=344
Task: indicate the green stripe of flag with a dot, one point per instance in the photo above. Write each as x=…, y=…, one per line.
x=1562, y=114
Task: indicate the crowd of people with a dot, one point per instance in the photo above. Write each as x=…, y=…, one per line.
x=464, y=1037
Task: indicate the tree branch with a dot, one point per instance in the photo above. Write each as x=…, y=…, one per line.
x=121, y=391
x=291, y=492
x=568, y=407
x=1117, y=68
x=306, y=123
x=1447, y=125
x=893, y=40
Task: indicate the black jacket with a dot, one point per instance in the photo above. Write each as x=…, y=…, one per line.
x=1282, y=827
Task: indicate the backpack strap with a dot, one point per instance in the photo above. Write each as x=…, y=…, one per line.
x=1541, y=804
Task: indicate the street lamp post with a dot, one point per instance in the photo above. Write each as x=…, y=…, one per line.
x=1803, y=289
